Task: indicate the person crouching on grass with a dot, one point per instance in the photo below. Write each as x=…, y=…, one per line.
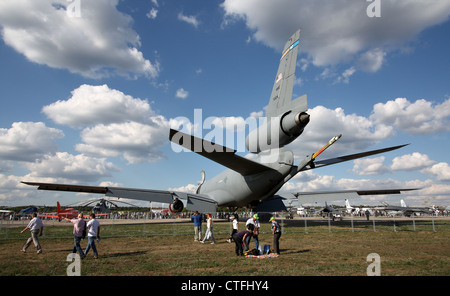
x=240, y=239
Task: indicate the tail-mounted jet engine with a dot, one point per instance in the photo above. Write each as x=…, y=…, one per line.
x=277, y=132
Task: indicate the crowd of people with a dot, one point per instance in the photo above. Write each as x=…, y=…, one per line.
x=91, y=229
x=242, y=237
x=81, y=229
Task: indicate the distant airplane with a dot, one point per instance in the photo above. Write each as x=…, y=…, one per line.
x=69, y=213
x=249, y=183
x=28, y=211
x=332, y=212
x=404, y=209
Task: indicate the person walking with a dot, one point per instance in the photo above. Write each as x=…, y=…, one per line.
x=197, y=219
x=276, y=231
x=79, y=226
x=235, y=226
x=209, y=230
x=93, y=227
x=36, y=227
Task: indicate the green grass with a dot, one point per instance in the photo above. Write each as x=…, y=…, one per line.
x=169, y=250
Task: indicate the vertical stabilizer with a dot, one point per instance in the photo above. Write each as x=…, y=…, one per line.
x=280, y=99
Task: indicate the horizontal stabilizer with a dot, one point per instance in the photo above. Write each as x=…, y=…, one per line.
x=217, y=153
x=322, y=163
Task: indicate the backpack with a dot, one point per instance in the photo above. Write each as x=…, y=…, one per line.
x=83, y=236
x=251, y=252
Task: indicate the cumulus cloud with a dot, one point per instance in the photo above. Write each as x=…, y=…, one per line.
x=113, y=123
x=181, y=93
x=73, y=167
x=137, y=142
x=420, y=117
x=440, y=170
x=411, y=162
x=91, y=104
x=370, y=166
x=27, y=141
x=372, y=60
x=338, y=31
x=358, y=132
x=94, y=41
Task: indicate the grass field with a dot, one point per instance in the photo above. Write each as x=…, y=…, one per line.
x=316, y=253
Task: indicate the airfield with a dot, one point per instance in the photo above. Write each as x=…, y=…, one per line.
x=311, y=246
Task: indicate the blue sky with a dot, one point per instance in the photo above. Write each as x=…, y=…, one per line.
x=89, y=90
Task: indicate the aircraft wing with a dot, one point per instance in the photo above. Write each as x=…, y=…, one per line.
x=324, y=196
x=217, y=153
x=191, y=201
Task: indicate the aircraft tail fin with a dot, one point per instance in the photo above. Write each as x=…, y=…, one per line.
x=402, y=202
x=347, y=205
x=280, y=98
x=58, y=207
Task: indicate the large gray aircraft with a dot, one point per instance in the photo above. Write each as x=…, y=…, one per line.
x=249, y=183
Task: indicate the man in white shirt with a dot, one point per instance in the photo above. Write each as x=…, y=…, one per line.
x=93, y=227
x=36, y=227
x=255, y=222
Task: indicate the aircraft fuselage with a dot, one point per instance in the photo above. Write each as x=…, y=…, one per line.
x=231, y=189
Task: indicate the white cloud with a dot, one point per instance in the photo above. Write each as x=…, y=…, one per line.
x=440, y=170
x=370, y=166
x=345, y=77
x=420, y=117
x=181, y=93
x=411, y=162
x=72, y=167
x=152, y=13
x=27, y=141
x=358, y=132
x=97, y=104
x=192, y=20
x=338, y=31
x=137, y=142
x=114, y=123
x=94, y=44
x=372, y=60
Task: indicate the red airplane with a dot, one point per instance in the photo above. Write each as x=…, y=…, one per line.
x=69, y=213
